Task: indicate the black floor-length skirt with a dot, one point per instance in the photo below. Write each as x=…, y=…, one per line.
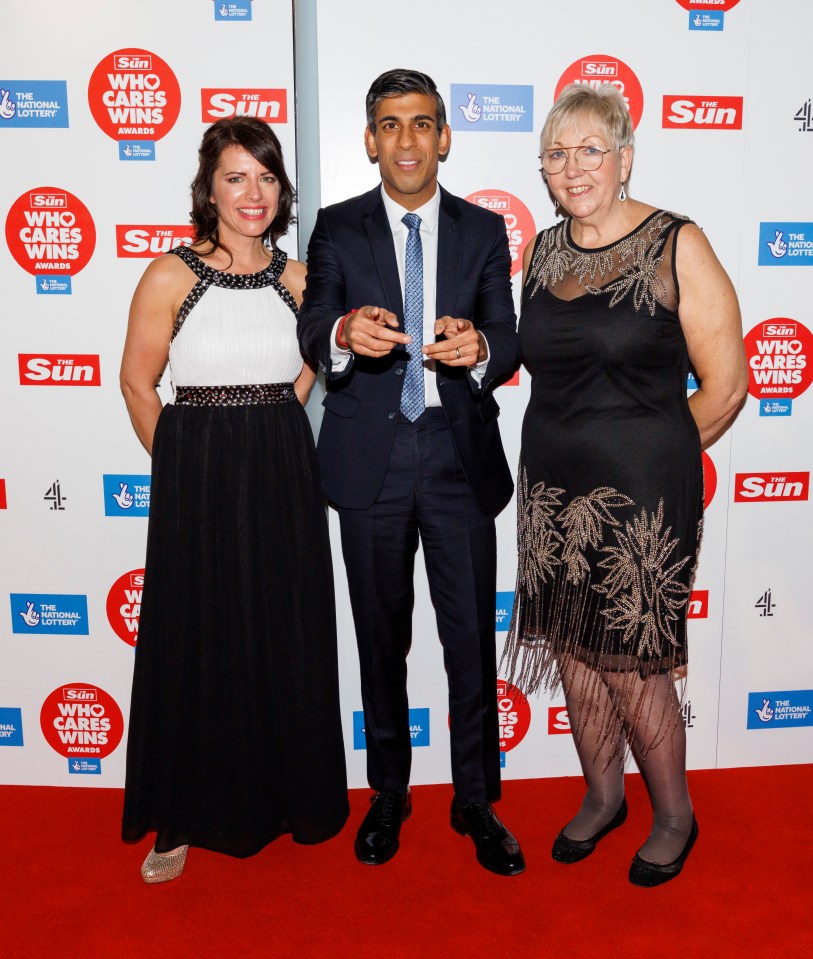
x=235, y=732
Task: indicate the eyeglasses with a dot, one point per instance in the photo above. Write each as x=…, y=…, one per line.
x=588, y=158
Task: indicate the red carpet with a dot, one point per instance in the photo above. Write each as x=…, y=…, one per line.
x=70, y=888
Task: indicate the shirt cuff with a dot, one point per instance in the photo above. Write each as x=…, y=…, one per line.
x=339, y=358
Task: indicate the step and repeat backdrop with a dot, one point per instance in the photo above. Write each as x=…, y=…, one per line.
x=100, y=128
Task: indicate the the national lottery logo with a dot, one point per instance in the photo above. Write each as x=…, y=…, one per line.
x=785, y=244
x=599, y=69
x=684, y=112
x=778, y=351
x=707, y=20
x=33, y=103
x=698, y=605
x=83, y=766
x=124, y=605
x=49, y=230
x=266, y=104
x=231, y=10
x=503, y=612
x=134, y=95
x=786, y=709
x=81, y=720
x=492, y=108
x=53, y=613
x=804, y=116
x=558, y=721
x=11, y=726
x=519, y=224
x=514, y=715
x=418, y=728
x=771, y=487
x=59, y=369
x=126, y=494
x=142, y=240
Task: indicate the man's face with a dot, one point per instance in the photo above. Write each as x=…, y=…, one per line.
x=407, y=145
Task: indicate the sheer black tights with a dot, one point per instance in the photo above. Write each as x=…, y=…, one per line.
x=606, y=711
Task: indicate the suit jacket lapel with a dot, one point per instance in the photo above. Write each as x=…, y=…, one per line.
x=377, y=227
x=450, y=251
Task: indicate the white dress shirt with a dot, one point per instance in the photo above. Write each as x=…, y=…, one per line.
x=429, y=243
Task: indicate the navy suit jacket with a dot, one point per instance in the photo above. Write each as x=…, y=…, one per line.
x=351, y=263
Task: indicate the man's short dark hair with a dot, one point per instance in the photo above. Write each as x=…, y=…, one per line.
x=399, y=83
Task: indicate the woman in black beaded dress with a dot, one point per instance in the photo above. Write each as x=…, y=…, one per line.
x=619, y=299
x=235, y=732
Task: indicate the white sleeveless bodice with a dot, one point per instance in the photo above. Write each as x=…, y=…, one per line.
x=235, y=329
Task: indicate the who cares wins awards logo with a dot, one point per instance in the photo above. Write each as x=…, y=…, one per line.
x=135, y=99
x=600, y=69
x=519, y=224
x=83, y=723
x=50, y=231
x=124, y=605
x=778, y=371
x=514, y=714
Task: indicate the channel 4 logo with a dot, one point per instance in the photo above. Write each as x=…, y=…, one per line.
x=786, y=709
x=126, y=494
x=504, y=612
x=11, y=726
x=418, y=728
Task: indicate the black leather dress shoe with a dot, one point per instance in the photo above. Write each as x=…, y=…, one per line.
x=377, y=838
x=496, y=847
x=570, y=850
x=644, y=873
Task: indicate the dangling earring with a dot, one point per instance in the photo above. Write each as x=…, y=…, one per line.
x=622, y=194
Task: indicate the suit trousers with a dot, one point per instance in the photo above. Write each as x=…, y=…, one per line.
x=426, y=495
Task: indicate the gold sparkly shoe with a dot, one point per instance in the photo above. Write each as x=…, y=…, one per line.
x=161, y=868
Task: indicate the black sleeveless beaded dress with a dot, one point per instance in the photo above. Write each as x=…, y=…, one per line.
x=610, y=487
x=235, y=731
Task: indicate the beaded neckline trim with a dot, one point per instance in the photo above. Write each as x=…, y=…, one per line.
x=633, y=260
x=207, y=276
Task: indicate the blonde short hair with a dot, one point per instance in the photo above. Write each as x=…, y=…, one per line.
x=579, y=104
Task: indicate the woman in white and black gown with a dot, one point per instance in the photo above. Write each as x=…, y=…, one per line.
x=235, y=732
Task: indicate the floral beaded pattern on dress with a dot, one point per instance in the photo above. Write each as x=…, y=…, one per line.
x=634, y=262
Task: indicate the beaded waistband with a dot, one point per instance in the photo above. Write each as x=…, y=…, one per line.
x=252, y=395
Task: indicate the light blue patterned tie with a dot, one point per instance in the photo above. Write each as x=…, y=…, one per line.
x=412, y=397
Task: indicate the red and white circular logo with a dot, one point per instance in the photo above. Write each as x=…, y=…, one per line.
x=708, y=4
x=778, y=351
x=81, y=719
x=134, y=95
x=49, y=230
x=124, y=605
x=598, y=69
x=709, y=479
x=519, y=224
x=514, y=713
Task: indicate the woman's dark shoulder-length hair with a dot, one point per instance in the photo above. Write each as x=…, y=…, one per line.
x=256, y=138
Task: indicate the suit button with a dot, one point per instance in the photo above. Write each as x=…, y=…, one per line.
x=390, y=416
x=399, y=371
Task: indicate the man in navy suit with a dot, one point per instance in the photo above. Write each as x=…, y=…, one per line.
x=409, y=312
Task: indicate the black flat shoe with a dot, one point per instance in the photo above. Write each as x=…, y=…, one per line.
x=644, y=873
x=377, y=838
x=497, y=849
x=574, y=850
